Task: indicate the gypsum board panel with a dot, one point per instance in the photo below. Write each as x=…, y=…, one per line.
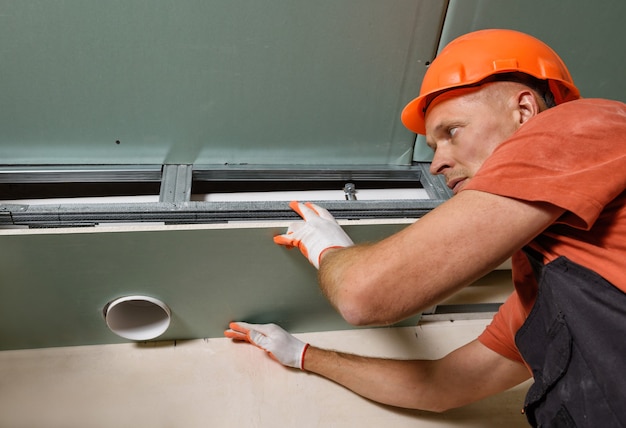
x=56, y=282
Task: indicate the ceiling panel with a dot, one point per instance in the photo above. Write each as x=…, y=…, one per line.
x=211, y=81
x=55, y=283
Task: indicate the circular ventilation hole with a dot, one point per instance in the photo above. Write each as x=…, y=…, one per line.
x=137, y=317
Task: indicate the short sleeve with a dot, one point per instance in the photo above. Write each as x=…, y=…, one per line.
x=571, y=156
x=499, y=336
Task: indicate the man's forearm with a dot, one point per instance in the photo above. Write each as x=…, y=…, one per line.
x=400, y=383
x=465, y=375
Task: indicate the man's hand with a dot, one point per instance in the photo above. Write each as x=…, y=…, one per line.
x=279, y=344
x=317, y=233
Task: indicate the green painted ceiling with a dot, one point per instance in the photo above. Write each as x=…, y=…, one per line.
x=211, y=81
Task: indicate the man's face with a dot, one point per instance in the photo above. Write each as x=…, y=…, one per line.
x=463, y=127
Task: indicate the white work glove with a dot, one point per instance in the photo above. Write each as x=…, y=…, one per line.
x=317, y=233
x=279, y=344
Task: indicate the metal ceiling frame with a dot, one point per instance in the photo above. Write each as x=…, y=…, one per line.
x=175, y=206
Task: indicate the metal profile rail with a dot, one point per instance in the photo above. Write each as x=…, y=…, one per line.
x=174, y=206
x=80, y=174
x=74, y=215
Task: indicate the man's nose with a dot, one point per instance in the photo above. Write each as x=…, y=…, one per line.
x=439, y=163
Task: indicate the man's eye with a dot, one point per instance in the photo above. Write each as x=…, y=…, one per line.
x=452, y=131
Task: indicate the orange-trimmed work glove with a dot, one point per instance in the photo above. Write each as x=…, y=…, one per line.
x=317, y=233
x=280, y=345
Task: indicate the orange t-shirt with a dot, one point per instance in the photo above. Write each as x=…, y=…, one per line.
x=572, y=156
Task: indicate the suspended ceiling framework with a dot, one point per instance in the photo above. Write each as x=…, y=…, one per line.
x=123, y=119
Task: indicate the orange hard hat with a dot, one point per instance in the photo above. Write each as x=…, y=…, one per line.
x=475, y=56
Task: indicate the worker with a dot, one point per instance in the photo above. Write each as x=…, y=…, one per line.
x=538, y=176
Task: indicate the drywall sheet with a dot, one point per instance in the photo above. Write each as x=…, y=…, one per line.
x=211, y=81
x=220, y=384
x=55, y=283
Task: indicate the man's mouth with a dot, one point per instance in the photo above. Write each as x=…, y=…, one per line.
x=456, y=184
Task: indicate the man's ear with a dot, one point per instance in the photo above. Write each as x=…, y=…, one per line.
x=527, y=106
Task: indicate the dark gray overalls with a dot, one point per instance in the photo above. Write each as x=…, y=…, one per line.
x=574, y=340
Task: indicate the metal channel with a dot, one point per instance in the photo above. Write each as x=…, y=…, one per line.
x=461, y=312
x=176, y=183
x=80, y=174
x=197, y=212
x=307, y=173
x=435, y=186
x=174, y=206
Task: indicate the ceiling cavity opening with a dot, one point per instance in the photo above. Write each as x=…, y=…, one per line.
x=137, y=317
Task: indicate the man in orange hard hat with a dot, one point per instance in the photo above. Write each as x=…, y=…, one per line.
x=538, y=176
